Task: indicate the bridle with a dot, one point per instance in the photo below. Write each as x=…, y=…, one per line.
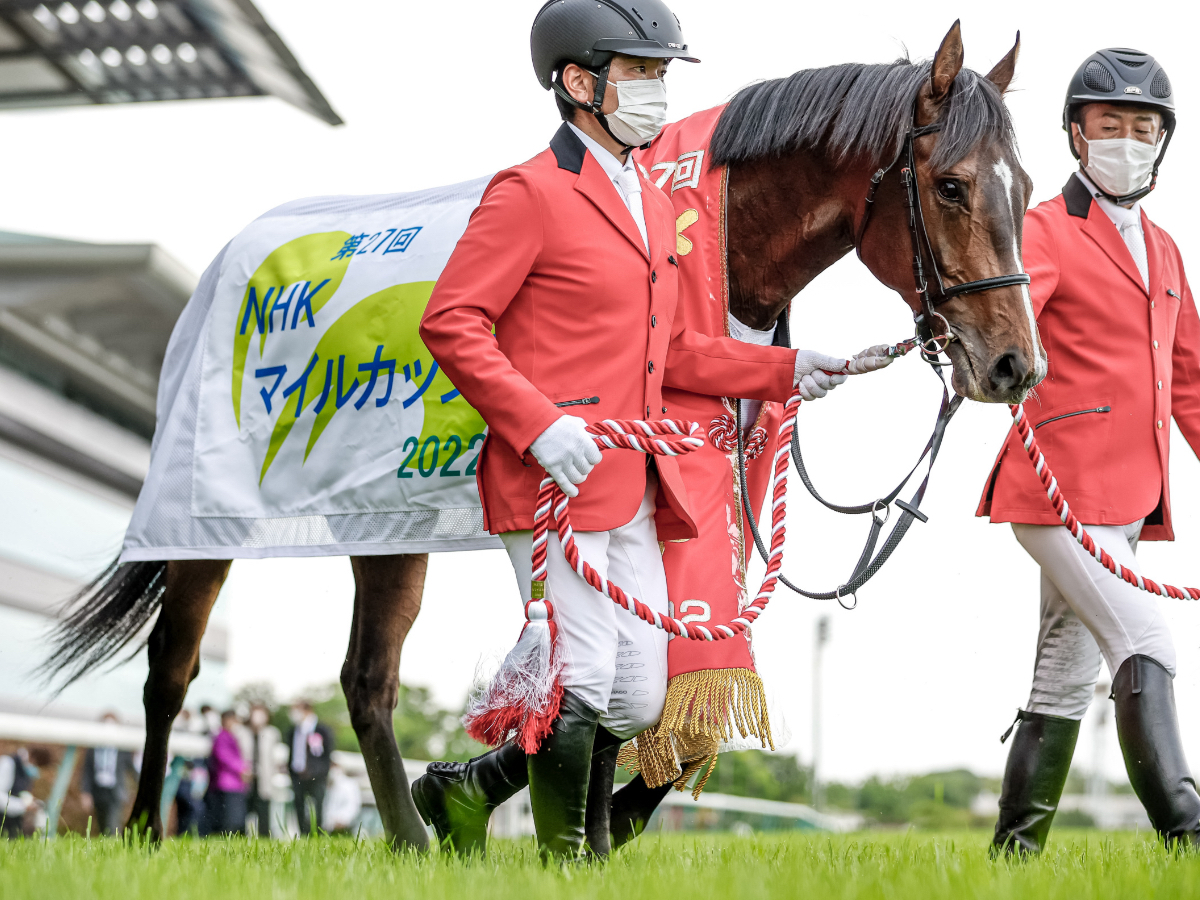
x=932, y=344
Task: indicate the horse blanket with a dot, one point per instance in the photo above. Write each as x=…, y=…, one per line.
x=299, y=414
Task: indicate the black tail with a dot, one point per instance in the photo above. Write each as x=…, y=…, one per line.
x=103, y=617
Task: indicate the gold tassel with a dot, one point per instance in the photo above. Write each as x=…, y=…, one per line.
x=702, y=709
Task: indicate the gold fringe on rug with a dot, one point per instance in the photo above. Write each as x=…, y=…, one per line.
x=702, y=709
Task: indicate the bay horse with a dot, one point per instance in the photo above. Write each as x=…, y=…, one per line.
x=801, y=153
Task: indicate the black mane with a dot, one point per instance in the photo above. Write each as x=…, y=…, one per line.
x=855, y=110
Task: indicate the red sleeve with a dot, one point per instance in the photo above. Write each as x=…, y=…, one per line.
x=490, y=263
x=723, y=367
x=1185, y=368
x=1039, y=255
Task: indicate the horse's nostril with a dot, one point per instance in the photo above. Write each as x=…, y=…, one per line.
x=1008, y=372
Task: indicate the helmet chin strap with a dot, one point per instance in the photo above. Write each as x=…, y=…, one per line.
x=597, y=103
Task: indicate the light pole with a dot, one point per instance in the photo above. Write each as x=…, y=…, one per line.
x=820, y=639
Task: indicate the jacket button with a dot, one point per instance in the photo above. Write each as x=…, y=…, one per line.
x=1160, y=385
x=1156, y=345
x=1152, y=304
x=1160, y=423
x=653, y=276
x=650, y=366
x=654, y=321
x=664, y=409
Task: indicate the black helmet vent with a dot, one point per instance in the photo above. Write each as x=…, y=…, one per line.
x=1132, y=63
x=1160, y=87
x=1097, y=77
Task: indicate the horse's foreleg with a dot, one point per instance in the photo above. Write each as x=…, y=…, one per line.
x=386, y=602
x=174, y=652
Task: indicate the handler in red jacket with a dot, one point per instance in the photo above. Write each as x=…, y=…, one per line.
x=1122, y=336
x=570, y=258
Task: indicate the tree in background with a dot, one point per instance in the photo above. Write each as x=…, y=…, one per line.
x=423, y=729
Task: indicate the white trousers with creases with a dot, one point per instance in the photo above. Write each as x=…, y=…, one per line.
x=615, y=662
x=1088, y=614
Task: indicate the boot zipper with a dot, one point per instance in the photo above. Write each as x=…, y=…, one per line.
x=582, y=401
x=1082, y=412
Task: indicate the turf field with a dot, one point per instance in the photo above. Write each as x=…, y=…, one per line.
x=1078, y=865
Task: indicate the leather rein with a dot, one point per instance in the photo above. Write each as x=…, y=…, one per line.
x=931, y=345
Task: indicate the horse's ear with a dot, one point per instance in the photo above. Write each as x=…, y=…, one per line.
x=1002, y=73
x=946, y=64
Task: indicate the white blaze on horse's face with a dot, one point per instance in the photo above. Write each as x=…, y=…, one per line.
x=1011, y=190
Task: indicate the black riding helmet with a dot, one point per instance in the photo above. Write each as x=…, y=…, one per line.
x=590, y=32
x=1127, y=77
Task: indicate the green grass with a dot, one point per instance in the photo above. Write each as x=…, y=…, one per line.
x=669, y=867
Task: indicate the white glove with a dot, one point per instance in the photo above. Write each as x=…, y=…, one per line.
x=567, y=452
x=870, y=360
x=812, y=373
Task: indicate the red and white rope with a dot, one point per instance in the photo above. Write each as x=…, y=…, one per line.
x=679, y=438
x=722, y=434
x=1059, y=502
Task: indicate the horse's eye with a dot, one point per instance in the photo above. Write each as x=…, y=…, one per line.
x=950, y=190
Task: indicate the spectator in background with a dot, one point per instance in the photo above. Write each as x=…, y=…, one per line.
x=262, y=761
x=17, y=775
x=310, y=742
x=228, y=775
x=343, y=802
x=209, y=719
x=107, y=772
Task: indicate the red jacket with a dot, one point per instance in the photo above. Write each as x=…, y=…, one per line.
x=1122, y=362
x=553, y=260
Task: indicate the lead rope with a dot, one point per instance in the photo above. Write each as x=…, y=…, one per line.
x=1059, y=502
x=869, y=562
x=522, y=701
x=552, y=502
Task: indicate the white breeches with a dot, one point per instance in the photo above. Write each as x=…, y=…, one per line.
x=1087, y=613
x=615, y=662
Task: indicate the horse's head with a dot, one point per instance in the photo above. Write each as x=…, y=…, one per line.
x=973, y=195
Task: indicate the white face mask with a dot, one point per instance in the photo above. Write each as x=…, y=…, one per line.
x=642, y=111
x=1120, y=166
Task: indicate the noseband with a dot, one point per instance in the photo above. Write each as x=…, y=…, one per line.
x=931, y=344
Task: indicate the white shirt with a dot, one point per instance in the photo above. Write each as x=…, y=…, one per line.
x=106, y=767
x=300, y=742
x=624, y=179
x=748, y=335
x=1129, y=226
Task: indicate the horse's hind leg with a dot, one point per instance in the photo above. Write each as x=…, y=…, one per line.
x=174, y=651
x=387, y=599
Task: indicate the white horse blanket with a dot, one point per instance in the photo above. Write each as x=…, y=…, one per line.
x=299, y=413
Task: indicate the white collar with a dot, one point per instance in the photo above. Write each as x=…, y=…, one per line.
x=1118, y=215
x=610, y=164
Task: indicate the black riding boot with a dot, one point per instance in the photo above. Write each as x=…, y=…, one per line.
x=600, y=793
x=1149, y=733
x=558, y=780
x=1033, y=782
x=457, y=798
x=632, y=807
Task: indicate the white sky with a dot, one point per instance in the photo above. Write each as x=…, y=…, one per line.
x=927, y=672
